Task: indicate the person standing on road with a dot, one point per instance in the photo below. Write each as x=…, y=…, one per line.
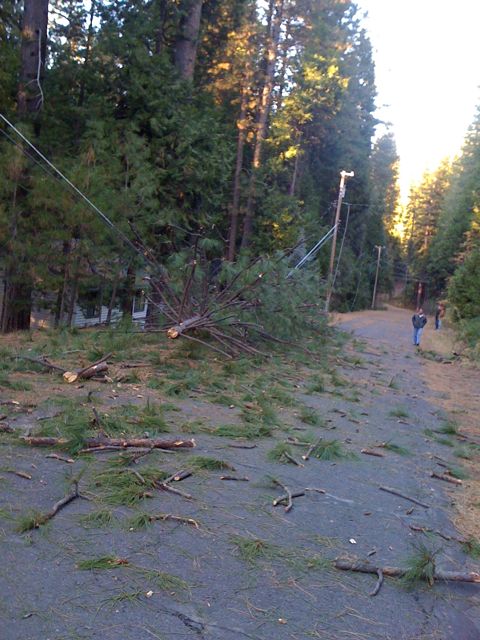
x=419, y=320
x=439, y=314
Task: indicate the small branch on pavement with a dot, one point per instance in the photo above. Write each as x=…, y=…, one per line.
x=446, y=478
x=370, y=452
x=166, y=487
x=397, y=572
x=20, y=474
x=311, y=449
x=40, y=519
x=55, y=456
x=292, y=459
x=378, y=586
x=173, y=518
x=288, y=494
x=395, y=492
x=178, y=476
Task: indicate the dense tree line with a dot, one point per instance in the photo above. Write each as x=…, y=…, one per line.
x=231, y=119
x=443, y=232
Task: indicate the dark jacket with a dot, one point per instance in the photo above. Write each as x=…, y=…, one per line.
x=419, y=320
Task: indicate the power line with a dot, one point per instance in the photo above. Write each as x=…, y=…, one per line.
x=341, y=244
x=99, y=213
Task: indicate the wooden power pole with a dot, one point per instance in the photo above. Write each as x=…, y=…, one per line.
x=341, y=195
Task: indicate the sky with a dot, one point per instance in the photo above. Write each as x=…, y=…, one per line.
x=427, y=68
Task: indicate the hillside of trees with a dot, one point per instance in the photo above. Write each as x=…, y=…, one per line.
x=230, y=119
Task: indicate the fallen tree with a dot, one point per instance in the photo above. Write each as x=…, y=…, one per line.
x=233, y=308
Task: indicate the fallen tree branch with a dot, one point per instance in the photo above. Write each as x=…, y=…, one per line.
x=45, y=517
x=397, y=572
x=329, y=495
x=176, y=477
x=395, y=492
x=288, y=494
x=288, y=497
x=42, y=362
x=245, y=479
x=378, y=586
x=292, y=459
x=285, y=497
x=55, y=456
x=370, y=452
x=6, y=428
x=446, y=478
x=420, y=529
x=167, y=487
x=20, y=474
x=92, y=444
x=311, y=449
x=169, y=516
x=242, y=446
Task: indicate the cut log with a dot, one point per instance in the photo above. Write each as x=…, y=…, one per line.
x=178, y=329
x=100, y=443
x=88, y=372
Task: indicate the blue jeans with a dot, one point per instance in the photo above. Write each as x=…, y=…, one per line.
x=438, y=323
x=416, y=335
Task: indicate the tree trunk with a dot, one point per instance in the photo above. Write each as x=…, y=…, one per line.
x=17, y=300
x=271, y=50
x=18, y=290
x=86, y=60
x=160, y=32
x=62, y=292
x=283, y=66
x=232, y=235
x=33, y=52
x=293, y=183
x=113, y=297
x=187, y=38
x=73, y=298
x=128, y=293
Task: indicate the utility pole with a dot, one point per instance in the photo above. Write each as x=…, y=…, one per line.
x=379, y=250
x=341, y=195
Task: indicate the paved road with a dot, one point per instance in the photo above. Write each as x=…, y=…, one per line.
x=289, y=591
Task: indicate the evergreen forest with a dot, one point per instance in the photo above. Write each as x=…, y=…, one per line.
x=223, y=124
